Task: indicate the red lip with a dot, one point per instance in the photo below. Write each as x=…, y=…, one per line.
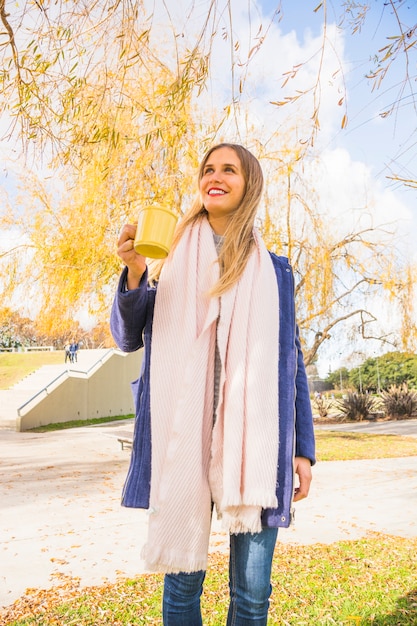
x=216, y=189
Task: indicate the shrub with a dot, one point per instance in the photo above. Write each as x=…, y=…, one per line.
x=356, y=406
x=399, y=401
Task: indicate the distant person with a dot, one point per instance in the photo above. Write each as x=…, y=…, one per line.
x=73, y=351
x=67, y=352
x=223, y=409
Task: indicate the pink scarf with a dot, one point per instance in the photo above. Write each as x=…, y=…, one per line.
x=234, y=463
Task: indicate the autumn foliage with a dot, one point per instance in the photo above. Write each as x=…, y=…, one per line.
x=118, y=114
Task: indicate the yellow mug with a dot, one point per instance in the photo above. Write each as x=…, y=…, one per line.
x=155, y=231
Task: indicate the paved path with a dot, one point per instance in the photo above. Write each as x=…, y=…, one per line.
x=407, y=427
x=60, y=507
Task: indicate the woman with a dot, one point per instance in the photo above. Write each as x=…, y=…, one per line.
x=222, y=394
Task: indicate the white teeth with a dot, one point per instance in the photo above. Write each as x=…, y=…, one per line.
x=216, y=192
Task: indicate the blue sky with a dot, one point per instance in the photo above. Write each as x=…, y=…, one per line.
x=387, y=145
x=377, y=147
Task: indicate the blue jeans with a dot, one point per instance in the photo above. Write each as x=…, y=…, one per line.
x=249, y=583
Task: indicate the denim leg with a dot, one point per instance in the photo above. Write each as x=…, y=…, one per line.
x=250, y=577
x=181, y=599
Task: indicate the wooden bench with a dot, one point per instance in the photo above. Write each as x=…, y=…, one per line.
x=125, y=442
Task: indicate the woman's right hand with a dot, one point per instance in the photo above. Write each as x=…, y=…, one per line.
x=136, y=263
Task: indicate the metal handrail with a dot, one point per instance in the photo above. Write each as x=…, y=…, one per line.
x=66, y=374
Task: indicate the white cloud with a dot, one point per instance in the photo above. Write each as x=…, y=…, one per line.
x=348, y=190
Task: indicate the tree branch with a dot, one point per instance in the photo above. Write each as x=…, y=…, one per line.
x=12, y=42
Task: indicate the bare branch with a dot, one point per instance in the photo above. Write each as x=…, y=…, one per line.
x=12, y=41
x=366, y=318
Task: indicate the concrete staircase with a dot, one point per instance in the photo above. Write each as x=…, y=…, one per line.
x=23, y=391
x=45, y=374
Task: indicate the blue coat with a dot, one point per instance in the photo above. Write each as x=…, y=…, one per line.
x=131, y=326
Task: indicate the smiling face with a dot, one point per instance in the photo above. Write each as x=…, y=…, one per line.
x=222, y=187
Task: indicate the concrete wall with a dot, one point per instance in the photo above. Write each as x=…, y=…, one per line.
x=104, y=392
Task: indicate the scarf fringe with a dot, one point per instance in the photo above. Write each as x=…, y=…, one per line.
x=242, y=519
x=254, y=498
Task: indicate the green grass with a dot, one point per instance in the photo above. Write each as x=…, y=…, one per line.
x=369, y=581
x=79, y=423
x=349, y=446
x=16, y=365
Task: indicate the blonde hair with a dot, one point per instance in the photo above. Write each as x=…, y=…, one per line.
x=238, y=239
